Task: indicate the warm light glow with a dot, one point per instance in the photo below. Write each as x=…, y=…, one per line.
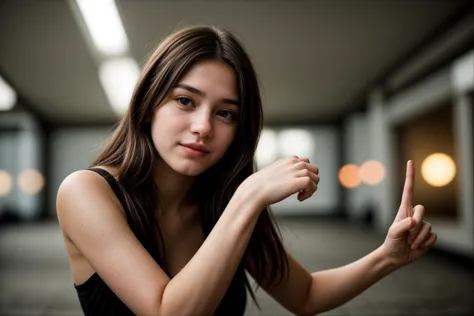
x=297, y=142
x=372, y=172
x=267, y=150
x=349, y=176
x=438, y=169
x=30, y=181
x=6, y=183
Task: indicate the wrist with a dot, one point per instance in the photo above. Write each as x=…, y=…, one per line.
x=384, y=261
x=248, y=199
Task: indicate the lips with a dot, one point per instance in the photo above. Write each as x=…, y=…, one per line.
x=198, y=147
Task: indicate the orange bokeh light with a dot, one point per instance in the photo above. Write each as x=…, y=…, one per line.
x=372, y=172
x=30, y=181
x=349, y=176
x=6, y=183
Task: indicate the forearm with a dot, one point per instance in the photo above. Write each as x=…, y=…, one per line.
x=334, y=287
x=200, y=286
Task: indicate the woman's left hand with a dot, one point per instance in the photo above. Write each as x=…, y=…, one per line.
x=409, y=237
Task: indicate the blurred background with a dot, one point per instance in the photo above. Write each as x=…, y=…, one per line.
x=359, y=87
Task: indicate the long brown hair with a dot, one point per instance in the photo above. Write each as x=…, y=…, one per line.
x=131, y=150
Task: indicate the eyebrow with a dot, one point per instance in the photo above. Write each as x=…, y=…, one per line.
x=202, y=94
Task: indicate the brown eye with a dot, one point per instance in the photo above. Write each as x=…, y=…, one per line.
x=184, y=101
x=227, y=114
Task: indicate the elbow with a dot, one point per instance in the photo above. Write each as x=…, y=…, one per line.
x=306, y=312
x=309, y=308
x=312, y=309
x=153, y=306
x=170, y=303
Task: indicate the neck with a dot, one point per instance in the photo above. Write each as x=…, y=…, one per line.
x=173, y=188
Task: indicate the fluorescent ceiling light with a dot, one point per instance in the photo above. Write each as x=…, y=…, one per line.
x=104, y=24
x=462, y=73
x=7, y=96
x=119, y=77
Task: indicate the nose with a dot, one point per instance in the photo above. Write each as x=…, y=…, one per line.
x=201, y=123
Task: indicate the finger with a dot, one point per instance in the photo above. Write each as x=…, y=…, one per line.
x=418, y=213
x=308, y=191
x=312, y=186
x=398, y=229
x=308, y=173
x=305, y=164
x=300, y=162
x=408, y=188
x=296, y=159
x=306, y=194
x=291, y=160
x=313, y=168
x=429, y=241
x=424, y=233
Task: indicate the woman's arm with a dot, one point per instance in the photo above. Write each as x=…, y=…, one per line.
x=92, y=218
x=200, y=286
x=408, y=238
x=307, y=293
x=332, y=288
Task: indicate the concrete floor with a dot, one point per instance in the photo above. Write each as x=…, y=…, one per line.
x=35, y=280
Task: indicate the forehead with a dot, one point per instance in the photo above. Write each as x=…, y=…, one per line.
x=212, y=77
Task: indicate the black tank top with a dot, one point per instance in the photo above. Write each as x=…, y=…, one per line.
x=97, y=299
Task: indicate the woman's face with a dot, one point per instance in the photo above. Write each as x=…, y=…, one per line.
x=196, y=123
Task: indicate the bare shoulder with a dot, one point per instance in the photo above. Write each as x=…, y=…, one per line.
x=81, y=194
x=92, y=218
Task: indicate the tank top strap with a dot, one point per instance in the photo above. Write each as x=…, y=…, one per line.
x=115, y=187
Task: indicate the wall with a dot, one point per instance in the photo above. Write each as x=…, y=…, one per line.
x=382, y=118
x=21, y=149
x=356, y=135
x=72, y=149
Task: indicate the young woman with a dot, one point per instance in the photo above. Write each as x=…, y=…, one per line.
x=171, y=214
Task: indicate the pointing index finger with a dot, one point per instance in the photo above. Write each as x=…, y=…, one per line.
x=409, y=185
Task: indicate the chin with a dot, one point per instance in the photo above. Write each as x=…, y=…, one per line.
x=190, y=170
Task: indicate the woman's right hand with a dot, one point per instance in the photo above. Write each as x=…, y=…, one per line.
x=281, y=179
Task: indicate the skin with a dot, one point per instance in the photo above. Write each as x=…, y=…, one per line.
x=196, y=111
x=98, y=238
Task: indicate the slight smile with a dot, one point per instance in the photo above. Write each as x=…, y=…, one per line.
x=195, y=150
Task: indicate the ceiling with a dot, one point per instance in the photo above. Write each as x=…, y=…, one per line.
x=313, y=58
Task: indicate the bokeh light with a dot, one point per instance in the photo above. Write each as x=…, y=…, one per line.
x=267, y=150
x=372, y=172
x=349, y=176
x=6, y=183
x=30, y=181
x=295, y=141
x=438, y=169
